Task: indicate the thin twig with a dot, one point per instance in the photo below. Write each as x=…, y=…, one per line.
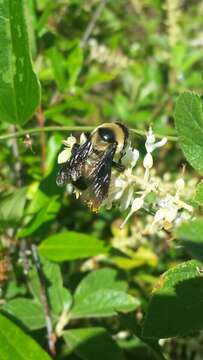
x=21, y=133
x=92, y=23
x=41, y=121
x=15, y=150
x=44, y=300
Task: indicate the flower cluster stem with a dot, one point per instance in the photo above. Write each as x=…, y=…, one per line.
x=37, y=130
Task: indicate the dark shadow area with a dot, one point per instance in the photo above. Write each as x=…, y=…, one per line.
x=178, y=314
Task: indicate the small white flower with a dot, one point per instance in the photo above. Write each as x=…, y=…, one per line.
x=64, y=156
x=83, y=138
x=117, y=188
x=70, y=141
x=127, y=198
x=130, y=158
x=148, y=161
x=180, y=184
x=66, y=153
x=159, y=216
x=150, y=143
x=137, y=204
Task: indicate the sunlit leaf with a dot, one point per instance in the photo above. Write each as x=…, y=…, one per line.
x=71, y=245
x=29, y=312
x=15, y=344
x=19, y=87
x=198, y=198
x=189, y=125
x=101, y=293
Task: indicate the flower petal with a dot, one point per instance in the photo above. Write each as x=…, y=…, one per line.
x=64, y=156
x=70, y=141
x=130, y=158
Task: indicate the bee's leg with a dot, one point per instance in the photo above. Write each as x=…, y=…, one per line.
x=123, y=152
x=118, y=166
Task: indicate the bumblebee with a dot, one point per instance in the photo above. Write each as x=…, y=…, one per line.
x=90, y=165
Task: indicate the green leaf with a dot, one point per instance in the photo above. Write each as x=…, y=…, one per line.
x=100, y=293
x=198, y=198
x=59, y=297
x=19, y=87
x=103, y=278
x=175, y=308
x=74, y=65
x=96, y=77
x=92, y=343
x=53, y=147
x=57, y=62
x=12, y=206
x=191, y=235
x=189, y=125
x=131, y=324
x=71, y=245
x=47, y=213
x=15, y=344
x=29, y=312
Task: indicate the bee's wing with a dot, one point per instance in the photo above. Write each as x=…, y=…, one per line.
x=100, y=176
x=72, y=168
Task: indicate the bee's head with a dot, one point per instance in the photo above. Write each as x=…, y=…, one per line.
x=107, y=134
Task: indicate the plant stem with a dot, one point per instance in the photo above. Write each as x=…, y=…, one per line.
x=41, y=121
x=92, y=22
x=17, y=163
x=37, y=130
x=44, y=300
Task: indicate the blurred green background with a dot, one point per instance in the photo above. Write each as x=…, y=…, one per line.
x=100, y=61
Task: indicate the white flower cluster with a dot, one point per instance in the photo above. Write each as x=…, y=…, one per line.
x=103, y=55
x=129, y=190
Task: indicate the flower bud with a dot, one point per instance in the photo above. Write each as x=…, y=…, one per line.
x=148, y=161
x=180, y=184
x=160, y=214
x=137, y=204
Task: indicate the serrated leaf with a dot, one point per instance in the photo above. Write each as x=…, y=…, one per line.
x=71, y=245
x=198, y=198
x=92, y=343
x=15, y=344
x=175, y=308
x=191, y=235
x=29, y=312
x=189, y=125
x=99, y=279
x=19, y=87
x=101, y=294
